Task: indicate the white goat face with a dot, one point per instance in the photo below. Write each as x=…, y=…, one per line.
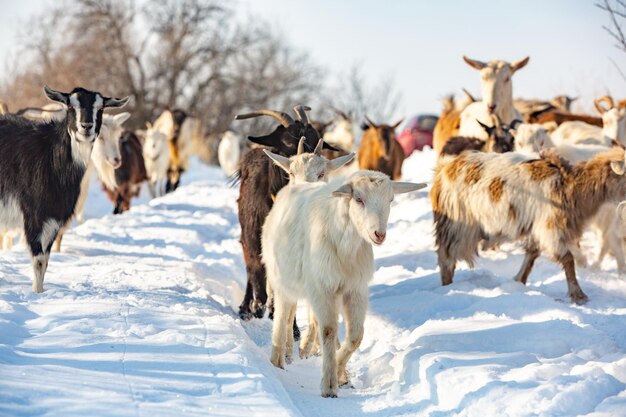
x=369, y=196
x=155, y=143
x=107, y=147
x=614, y=123
x=308, y=167
x=495, y=79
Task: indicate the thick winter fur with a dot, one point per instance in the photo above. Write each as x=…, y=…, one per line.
x=543, y=202
x=317, y=244
x=156, y=155
x=497, y=96
x=42, y=166
x=380, y=151
x=129, y=175
x=105, y=158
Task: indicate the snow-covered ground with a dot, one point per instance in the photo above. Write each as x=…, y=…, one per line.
x=139, y=319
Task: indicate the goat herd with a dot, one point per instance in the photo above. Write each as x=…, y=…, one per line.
x=507, y=170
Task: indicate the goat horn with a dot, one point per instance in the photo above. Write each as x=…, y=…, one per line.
x=607, y=99
x=598, y=104
x=282, y=118
x=301, y=113
x=369, y=122
x=301, y=145
x=318, y=148
x=471, y=97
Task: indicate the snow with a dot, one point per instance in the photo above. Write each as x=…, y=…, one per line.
x=139, y=319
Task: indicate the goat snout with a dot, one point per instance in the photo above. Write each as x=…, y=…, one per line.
x=380, y=236
x=116, y=162
x=86, y=125
x=491, y=108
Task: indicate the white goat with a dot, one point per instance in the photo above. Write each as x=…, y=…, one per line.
x=105, y=158
x=341, y=133
x=229, y=152
x=317, y=244
x=613, y=127
x=531, y=138
x=497, y=96
x=156, y=156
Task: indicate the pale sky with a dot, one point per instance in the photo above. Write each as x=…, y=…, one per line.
x=421, y=43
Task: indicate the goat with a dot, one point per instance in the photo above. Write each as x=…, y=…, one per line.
x=380, y=151
x=304, y=168
x=533, y=108
x=613, y=127
x=340, y=133
x=51, y=111
x=449, y=122
x=42, y=166
x=543, y=202
x=156, y=155
x=105, y=158
x=607, y=221
x=260, y=181
x=497, y=95
x=229, y=152
x=531, y=138
x=129, y=175
x=317, y=244
x=170, y=122
x=500, y=140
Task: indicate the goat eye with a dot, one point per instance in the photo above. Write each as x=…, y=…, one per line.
x=360, y=201
x=320, y=176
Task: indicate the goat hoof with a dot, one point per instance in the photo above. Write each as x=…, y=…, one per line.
x=579, y=297
x=329, y=394
x=245, y=315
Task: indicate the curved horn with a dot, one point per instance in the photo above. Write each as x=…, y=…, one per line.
x=301, y=145
x=301, y=113
x=604, y=99
x=282, y=118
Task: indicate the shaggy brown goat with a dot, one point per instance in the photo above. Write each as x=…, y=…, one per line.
x=380, y=151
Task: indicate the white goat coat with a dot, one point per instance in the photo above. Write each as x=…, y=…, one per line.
x=311, y=247
x=229, y=153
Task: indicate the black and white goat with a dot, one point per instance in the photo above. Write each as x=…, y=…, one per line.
x=41, y=168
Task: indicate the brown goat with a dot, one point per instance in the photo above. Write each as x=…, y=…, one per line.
x=544, y=203
x=450, y=121
x=129, y=175
x=380, y=151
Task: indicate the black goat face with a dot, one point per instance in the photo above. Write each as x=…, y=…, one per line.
x=285, y=140
x=84, y=111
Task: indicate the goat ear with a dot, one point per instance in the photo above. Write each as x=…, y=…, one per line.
x=141, y=135
x=115, y=102
x=343, y=191
x=488, y=129
x=330, y=147
x=518, y=65
x=618, y=167
x=340, y=161
x=405, y=187
x=56, y=95
x=474, y=63
x=148, y=125
x=396, y=124
x=121, y=117
x=281, y=161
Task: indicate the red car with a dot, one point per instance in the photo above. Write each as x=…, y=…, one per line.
x=417, y=133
